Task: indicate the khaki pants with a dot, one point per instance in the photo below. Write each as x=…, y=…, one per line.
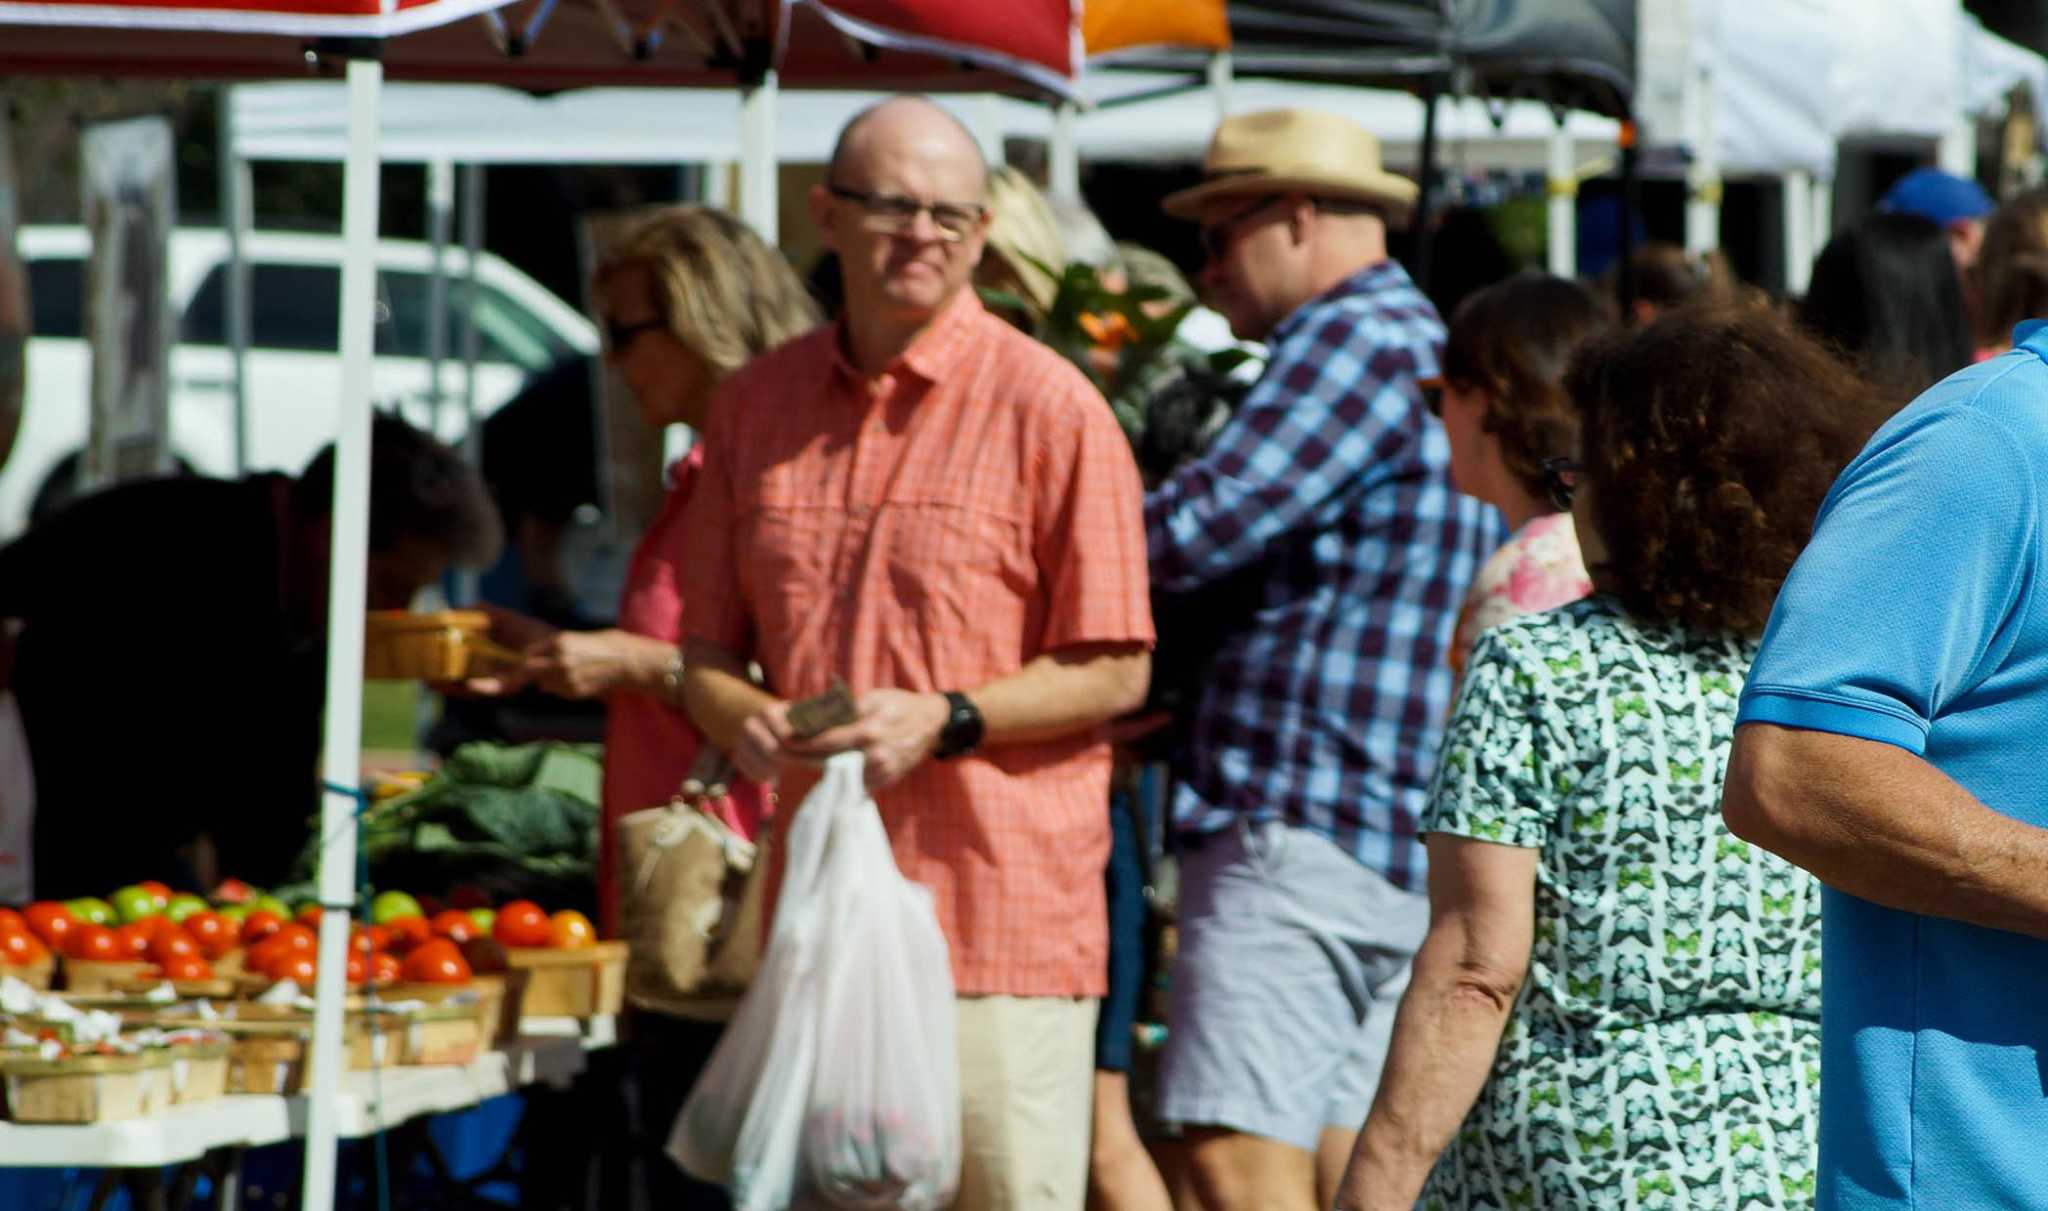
x=1027, y=1087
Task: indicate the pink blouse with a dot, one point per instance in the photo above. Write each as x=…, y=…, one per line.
x=1537, y=569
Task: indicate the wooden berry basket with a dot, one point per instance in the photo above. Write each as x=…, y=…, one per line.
x=220, y=988
x=199, y=1072
x=96, y=975
x=87, y=1089
x=571, y=983
x=38, y=975
x=445, y=645
x=495, y=997
x=273, y=1056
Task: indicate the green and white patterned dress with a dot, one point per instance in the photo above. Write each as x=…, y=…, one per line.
x=1665, y=1051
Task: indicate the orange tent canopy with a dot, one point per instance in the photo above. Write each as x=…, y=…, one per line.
x=1109, y=26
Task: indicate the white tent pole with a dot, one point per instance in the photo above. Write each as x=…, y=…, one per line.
x=987, y=112
x=341, y=756
x=1703, y=172
x=1063, y=160
x=1222, y=74
x=1822, y=226
x=472, y=298
x=758, y=163
x=1563, y=191
x=1957, y=152
x=1799, y=241
x=440, y=211
x=472, y=251
x=236, y=218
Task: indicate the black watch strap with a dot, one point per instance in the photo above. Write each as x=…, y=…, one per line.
x=962, y=733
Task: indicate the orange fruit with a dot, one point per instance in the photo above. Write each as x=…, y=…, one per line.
x=171, y=942
x=522, y=923
x=186, y=967
x=260, y=925
x=94, y=943
x=571, y=930
x=215, y=934
x=385, y=968
x=407, y=932
x=135, y=937
x=49, y=921
x=455, y=925
x=19, y=947
x=435, y=962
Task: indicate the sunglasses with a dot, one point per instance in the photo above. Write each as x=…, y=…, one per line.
x=1432, y=396
x=1560, y=476
x=618, y=336
x=891, y=214
x=1218, y=237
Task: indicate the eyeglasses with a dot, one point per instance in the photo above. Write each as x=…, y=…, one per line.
x=1560, y=476
x=1217, y=237
x=618, y=336
x=894, y=214
x=1433, y=396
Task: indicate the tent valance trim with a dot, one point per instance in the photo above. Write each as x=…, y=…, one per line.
x=250, y=21
x=882, y=37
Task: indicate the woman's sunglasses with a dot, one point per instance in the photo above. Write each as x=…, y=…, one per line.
x=1560, y=476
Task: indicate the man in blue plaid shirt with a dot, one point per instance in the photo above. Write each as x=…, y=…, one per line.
x=1301, y=900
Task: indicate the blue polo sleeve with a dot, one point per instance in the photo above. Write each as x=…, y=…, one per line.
x=1920, y=565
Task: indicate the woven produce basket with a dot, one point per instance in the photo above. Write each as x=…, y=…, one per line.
x=86, y=1089
x=446, y=645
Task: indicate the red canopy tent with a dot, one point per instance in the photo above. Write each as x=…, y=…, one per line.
x=1029, y=45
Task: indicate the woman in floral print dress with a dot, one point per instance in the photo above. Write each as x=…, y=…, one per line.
x=1617, y=1004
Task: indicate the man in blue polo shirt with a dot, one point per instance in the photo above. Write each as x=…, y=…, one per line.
x=1894, y=741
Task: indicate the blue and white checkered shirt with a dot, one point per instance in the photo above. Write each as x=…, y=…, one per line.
x=1328, y=710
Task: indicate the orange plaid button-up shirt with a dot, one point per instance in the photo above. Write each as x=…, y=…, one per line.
x=936, y=528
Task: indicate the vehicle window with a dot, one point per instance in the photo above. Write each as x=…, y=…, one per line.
x=292, y=307
x=506, y=332
x=56, y=291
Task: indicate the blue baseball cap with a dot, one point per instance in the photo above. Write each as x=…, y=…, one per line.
x=1940, y=197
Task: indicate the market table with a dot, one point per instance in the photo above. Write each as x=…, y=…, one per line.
x=548, y=1052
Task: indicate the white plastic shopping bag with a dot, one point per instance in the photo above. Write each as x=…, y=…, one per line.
x=837, y=1081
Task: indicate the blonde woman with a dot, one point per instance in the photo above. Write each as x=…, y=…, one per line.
x=685, y=298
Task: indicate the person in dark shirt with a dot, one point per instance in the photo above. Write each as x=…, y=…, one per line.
x=171, y=660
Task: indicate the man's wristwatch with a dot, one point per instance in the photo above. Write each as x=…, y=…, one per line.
x=962, y=732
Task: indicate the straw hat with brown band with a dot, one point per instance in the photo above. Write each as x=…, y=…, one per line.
x=1280, y=151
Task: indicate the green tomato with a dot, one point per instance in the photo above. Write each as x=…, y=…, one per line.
x=484, y=918
x=392, y=904
x=94, y=911
x=269, y=903
x=234, y=912
x=135, y=903
x=183, y=905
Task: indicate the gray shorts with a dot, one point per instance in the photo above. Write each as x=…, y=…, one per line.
x=1292, y=960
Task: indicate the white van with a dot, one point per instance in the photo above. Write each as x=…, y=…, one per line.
x=293, y=363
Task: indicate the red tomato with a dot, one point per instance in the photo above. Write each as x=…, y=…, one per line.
x=10, y=919
x=298, y=967
x=214, y=933
x=19, y=947
x=407, y=932
x=385, y=968
x=380, y=938
x=300, y=938
x=358, y=967
x=260, y=925
x=160, y=892
x=50, y=921
x=454, y=925
x=571, y=930
x=170, y=943
x=436, y=962
x=95, y=943
x=265, y=955
x=186, y=967
x=360, y=942
x=134, y=938
x=308, y=915
x=522, y=923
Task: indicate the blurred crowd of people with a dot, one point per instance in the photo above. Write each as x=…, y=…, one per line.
x=1447, y=635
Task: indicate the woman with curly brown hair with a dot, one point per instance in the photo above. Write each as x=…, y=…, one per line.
x=1617, y=1002
x=1504, y=409
x=2011, y=274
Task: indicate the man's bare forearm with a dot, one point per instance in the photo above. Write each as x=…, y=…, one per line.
x=1063, y=692
x=1884, y=825
x=718, y=693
